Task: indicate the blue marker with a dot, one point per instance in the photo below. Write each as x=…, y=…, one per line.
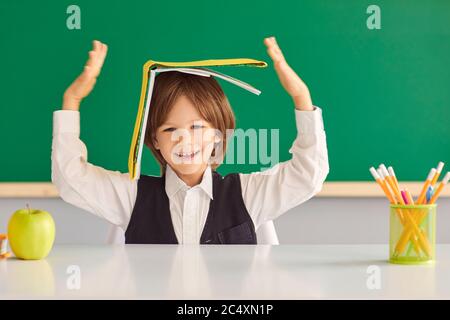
x=429, y=193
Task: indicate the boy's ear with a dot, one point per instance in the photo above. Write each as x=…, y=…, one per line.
x=155, y=143
x=217, y=139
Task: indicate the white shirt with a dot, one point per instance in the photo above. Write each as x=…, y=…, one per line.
x=111, y=194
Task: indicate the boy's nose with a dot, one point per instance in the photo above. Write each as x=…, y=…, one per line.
x=186, y=136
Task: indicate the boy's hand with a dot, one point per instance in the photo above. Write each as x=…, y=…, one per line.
x=85, y=82
x=291, y=82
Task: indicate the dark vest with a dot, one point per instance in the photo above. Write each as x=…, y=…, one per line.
x=228, y=221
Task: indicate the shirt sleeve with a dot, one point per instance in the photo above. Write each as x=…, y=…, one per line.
x=270, y=193
x=107, y=194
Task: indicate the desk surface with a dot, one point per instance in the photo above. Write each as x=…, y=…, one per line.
x=222, y=272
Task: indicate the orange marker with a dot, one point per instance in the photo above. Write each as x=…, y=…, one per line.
x=427, y=183
x=439, y=189
x=4, y=246
x=392, y=174
x=391, y=183
x=438, y=172
x=382, y=184
x=387, y=184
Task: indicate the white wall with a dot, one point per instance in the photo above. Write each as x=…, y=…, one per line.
x=319, y=220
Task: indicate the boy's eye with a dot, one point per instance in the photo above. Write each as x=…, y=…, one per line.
x=194, y=126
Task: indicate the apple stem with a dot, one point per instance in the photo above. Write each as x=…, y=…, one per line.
x=28, y=206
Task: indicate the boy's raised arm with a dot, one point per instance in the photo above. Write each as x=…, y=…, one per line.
x=107, y=194
x=270, y=193
x=85, y=82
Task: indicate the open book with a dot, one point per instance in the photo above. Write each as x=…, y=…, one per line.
x=151, y=68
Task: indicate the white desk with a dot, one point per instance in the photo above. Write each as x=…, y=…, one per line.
x=222, y=272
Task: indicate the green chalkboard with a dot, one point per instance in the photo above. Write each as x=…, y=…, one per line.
x=385, y=93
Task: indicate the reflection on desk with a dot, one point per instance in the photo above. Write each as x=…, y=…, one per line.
x=222, y=272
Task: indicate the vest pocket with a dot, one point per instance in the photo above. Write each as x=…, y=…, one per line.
x=240, y=234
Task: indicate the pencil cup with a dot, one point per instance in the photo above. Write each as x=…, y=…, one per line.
x=412, y=236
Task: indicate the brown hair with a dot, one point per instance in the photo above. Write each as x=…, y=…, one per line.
x=206, y=95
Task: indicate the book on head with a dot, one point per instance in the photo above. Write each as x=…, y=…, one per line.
x=151, y=68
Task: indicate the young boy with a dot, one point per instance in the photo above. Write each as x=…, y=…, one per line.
x=190, y=203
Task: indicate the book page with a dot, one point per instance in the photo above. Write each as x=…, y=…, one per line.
x=208, y=72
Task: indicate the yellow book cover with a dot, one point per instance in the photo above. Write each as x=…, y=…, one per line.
x=151, y=68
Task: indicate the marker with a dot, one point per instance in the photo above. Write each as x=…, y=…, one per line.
x=439, y=189
x=379, y=179
x=405, y=198
x=392, y=174
x=392, y=184
x=411, y=202
x=438, y=172
x=386, y=173
x=429, y=193
x=387, y=185
x=409, y=197
x=4, y=247
x=423, y=193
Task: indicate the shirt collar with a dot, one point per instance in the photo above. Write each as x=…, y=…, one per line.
x=174, y=183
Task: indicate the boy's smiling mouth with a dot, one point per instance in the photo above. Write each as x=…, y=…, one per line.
x=187, y=155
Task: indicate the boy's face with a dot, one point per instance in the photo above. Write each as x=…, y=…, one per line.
x=185, y=139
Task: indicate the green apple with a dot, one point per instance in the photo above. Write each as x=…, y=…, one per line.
x=31, y=233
